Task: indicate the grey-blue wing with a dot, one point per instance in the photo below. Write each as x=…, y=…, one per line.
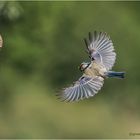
x=85, y=87
x=101, y=49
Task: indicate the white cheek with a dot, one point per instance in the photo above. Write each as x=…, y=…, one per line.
x=90, y=67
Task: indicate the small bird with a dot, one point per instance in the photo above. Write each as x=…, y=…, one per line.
x=100, y=49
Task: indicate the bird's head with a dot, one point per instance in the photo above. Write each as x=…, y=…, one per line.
x=84, y=65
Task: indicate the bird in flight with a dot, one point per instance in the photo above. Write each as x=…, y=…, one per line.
x=100, y=48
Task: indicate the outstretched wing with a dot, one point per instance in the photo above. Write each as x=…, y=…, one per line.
x=85, y=87
x=101, y=49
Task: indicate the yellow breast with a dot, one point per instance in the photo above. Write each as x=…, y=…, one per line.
x=95, y=69
x=91, y=72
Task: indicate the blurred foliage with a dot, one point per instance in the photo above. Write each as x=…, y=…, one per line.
x=43, y=46
x=10, y=11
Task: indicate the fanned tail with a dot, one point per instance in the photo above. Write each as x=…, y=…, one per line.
x=115, y=74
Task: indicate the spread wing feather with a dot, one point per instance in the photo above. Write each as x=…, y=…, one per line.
x=101, y=49
x=85, y=87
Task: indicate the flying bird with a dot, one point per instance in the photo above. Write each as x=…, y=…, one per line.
x=102, y=55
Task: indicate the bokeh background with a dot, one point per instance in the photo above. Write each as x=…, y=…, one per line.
x=43, y=46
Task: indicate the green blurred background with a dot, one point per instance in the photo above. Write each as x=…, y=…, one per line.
x=43, y=46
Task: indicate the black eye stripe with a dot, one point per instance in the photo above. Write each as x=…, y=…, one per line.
x=86, y=67
x=81, y=66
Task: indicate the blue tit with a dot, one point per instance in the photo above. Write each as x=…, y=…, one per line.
x=101, y=52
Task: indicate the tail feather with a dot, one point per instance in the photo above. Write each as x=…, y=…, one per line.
x=115, y=74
